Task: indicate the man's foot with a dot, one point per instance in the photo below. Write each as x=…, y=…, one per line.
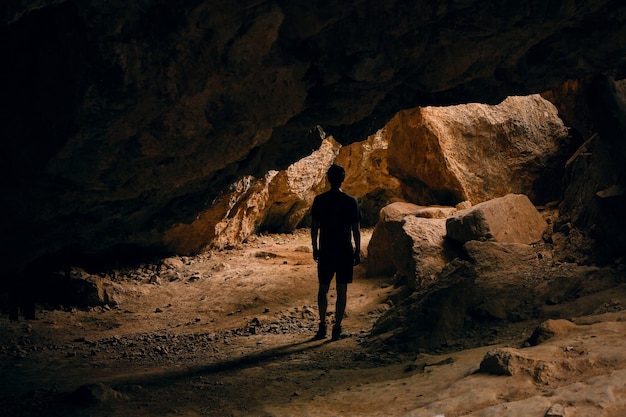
x=321, y=333
x=336, y=332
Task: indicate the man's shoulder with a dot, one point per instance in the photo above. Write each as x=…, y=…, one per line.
x=334, y=197
x=349, y=197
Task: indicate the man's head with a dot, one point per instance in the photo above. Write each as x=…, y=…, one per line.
x=336, y=175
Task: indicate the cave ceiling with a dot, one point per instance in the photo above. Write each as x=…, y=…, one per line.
x=123, y=118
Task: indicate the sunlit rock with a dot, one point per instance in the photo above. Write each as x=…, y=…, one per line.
x=508, y=219
x=409, y=240
x=476, y=152
x=291, y=192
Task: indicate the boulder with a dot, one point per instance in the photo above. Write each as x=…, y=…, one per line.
x=549, y=329
x=95, y=394
x=418, y=252
x=491, y=290
x=491, y=256
x=431, y=316
x=532, y=363
x=476, y=152
x=503, y=287
x=508, y=219
x=402, y=226
x=82, y=289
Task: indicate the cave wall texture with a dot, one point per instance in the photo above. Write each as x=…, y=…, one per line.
x=123, y=118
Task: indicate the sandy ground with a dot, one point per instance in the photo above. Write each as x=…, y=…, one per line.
x=230, y=334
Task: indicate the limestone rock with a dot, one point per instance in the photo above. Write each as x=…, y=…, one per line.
x=499, y=362
x=291, y=192
x=544, y=365
x=232, y=217
x=550, y=329
x=390, y=237
x=508, y=219
x=419, y=252
x=475, y=152
x=500, y=268
x=433, y=315
x=556, y=410
x=499, y=285
x=495, y=256
x=96, y=394
x=277, y=202
x=82, y=289
x=388, y=227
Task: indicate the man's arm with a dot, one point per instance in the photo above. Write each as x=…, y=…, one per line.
x=356, y=234
x=315, y=227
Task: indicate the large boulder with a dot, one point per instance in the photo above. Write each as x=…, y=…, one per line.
x=509, y=219
x=477, y=152
x=432, y=316
x=419, y=252
x=504, y=290
x=408, y=240
x=498, y=286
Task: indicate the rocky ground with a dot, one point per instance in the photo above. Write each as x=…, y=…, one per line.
x=230, y=334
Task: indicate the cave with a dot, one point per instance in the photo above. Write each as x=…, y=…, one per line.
x=141, y=139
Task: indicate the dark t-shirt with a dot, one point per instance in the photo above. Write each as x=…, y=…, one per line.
x=336, y=211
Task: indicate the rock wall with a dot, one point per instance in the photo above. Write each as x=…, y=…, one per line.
x=595, y=196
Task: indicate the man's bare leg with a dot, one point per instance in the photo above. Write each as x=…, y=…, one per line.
x=342, y=296
x=322, y=302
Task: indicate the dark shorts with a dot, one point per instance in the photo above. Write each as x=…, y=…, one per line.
x=330, y=264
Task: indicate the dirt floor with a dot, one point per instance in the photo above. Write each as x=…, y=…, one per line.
x=230, y=334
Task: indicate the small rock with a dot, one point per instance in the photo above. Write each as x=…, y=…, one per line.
x=550, y=329
x=557, y=410
x=95, y=394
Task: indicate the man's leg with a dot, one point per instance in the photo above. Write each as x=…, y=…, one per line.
x=340, y=308
x=342, y=297
x=322, y=302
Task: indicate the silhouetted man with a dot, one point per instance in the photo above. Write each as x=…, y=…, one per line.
x=336, y=217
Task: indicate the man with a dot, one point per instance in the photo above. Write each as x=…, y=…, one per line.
x=336, y=217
